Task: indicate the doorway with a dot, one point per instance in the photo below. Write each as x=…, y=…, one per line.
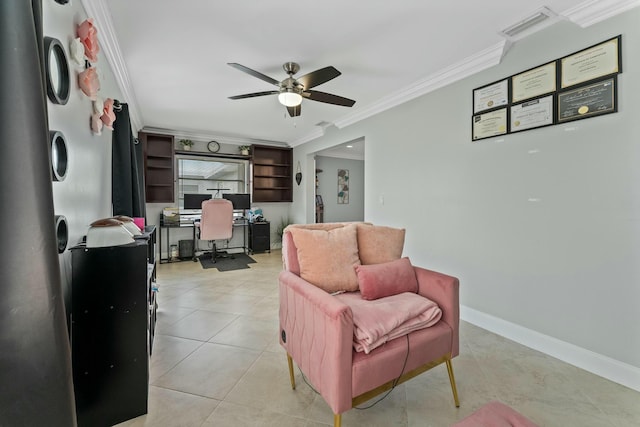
x=339, y=189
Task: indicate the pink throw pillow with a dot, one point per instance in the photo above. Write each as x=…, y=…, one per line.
x=378, y=244
x=327, y=258
x=383, y=280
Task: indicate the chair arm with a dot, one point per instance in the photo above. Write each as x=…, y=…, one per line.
x=444, y=291
x=316, y=329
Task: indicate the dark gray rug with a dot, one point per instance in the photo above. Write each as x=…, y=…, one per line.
x=239, y=262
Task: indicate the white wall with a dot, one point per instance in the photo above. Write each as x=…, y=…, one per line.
x=85, y=194
x=564, y=266
x=328, y=189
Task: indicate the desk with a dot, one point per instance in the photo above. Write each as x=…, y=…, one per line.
x=238, y=223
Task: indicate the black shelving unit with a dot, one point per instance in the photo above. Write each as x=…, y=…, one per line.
x=113, y=313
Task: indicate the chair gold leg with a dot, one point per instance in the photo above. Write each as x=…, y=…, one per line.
x=337, y=420
x=452, y=380
x=293, y=380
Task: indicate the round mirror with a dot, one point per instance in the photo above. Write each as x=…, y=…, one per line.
x=58, y=155
x=62, y=233
x=58, y=86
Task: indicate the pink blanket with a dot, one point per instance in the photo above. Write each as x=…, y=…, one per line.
x=381, y=320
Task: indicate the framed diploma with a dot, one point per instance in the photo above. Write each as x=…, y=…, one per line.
x=532, y=114
x=533, y=83
x=587, y=101
x=489, y=124
x=491, y=96
x=592, y=63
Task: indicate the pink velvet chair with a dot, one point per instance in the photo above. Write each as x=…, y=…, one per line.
x=216, y=223
x=317, y=332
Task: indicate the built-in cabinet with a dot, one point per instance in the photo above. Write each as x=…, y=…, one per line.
x=113, y=313
x=158, y=167
x=272, y=174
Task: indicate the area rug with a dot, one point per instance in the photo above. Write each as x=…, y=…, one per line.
x=239, y=262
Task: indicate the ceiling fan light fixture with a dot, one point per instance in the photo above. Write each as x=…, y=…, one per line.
x=290, y=99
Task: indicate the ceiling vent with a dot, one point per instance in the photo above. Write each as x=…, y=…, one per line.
x=540, y=19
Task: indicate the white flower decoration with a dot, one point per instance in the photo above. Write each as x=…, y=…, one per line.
x=76, y=51
x=98, y=105
x=96, y=124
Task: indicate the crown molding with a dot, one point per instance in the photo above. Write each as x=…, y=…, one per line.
x=585, y=14
x=99, y=11
x=204, y=136
x=343, y=155
x=458, y=71
x=316, y=133
x=593, y=11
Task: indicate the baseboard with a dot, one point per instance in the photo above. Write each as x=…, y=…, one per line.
x=604, y=366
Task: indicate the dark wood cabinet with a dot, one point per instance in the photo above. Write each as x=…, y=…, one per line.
x=158, y=167
x=272, y=174
x=112, y=324
x=259, y=237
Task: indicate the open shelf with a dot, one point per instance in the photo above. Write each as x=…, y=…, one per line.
x=272, y=172
x=158, y=167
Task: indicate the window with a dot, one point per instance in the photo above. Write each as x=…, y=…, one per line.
x=211, y=175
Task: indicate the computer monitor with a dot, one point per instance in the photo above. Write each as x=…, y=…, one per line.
x=194, y=201
x=240, y=201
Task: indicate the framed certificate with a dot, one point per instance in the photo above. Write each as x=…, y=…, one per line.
x=533, y=83
x=592, y=63
x=587, y=101
x=489, y=124
x=491, y=96
x=532, y=114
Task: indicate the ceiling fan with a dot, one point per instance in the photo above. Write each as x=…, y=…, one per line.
x=291, y=90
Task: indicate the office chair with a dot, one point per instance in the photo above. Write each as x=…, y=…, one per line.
x=216, y=223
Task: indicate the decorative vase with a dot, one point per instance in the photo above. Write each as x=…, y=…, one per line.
x=186, y=147
x=244, y=152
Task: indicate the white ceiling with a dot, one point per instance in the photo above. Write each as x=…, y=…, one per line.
x=172, y=56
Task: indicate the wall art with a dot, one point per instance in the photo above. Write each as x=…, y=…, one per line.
x=343, y=186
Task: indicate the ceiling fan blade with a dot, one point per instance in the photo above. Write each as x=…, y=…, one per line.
x=318, y=77
x=328, y=98
x=253, y=95
x=254, y=73
x=295, y=111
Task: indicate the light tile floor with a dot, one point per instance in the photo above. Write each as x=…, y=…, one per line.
x=216, y=362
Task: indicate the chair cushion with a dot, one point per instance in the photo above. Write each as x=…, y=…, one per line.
x=378, y=244
x=327, y=257
x=386, y=279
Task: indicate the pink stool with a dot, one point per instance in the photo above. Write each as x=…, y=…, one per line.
x=495, y=414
